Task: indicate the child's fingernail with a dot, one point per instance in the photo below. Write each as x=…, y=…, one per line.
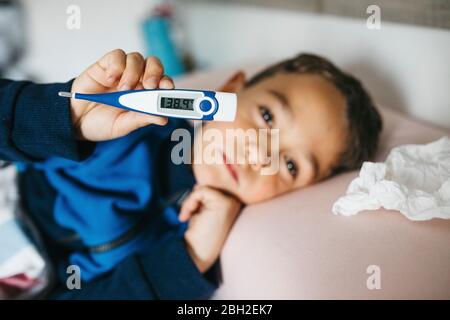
x=166, y=84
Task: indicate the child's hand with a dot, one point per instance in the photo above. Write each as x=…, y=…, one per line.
x=116, y=71
x=211, y=214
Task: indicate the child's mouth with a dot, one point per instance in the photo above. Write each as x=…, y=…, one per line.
x=230, y=168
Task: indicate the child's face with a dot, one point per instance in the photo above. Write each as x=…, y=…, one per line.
x=309, y=112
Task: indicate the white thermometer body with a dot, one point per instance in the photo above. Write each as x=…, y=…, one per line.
x=178, y=103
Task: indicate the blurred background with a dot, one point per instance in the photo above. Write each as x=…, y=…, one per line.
x=404, y=63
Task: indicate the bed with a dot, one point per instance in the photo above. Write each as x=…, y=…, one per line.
x=293, y=247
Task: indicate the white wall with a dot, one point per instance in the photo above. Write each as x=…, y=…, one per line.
x=404, y=67
x=56, y=53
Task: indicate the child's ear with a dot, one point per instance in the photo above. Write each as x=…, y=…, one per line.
x=235, y=83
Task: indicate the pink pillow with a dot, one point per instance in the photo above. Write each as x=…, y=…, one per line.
x=293, y=247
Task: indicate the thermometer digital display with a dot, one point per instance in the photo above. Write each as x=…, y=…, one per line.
x=177, y=103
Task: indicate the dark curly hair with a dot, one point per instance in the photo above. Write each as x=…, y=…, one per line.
x=364, y=121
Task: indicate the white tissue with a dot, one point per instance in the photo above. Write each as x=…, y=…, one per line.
x=415, y=180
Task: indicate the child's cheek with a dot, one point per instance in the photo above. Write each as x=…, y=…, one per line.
x=264, y=188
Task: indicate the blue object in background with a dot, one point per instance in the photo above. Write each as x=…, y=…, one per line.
x=160, y=44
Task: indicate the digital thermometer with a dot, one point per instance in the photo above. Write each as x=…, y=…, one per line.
x=178, y=103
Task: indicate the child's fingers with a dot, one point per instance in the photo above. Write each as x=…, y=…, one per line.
x=113, y=64
x=201, y=195
x=153, y=73
x=106, y=72
x=206, y=193
x=142, y=120
x=100, y=74
x=139, y=86
x=129, y=121
x=134, y=68
x=190, y=206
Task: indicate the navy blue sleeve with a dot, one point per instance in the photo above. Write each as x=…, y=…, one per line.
x=35, y=123
x=167, y=273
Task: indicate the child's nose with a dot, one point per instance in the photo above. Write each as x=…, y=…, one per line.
x=258, y=156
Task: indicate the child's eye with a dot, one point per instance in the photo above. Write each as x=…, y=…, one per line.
x=292, y=167
x=266, y=115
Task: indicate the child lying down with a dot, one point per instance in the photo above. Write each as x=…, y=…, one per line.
x=120, y=213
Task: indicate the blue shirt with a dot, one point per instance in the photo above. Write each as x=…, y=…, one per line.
x=35, y=124
x=114, y=201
